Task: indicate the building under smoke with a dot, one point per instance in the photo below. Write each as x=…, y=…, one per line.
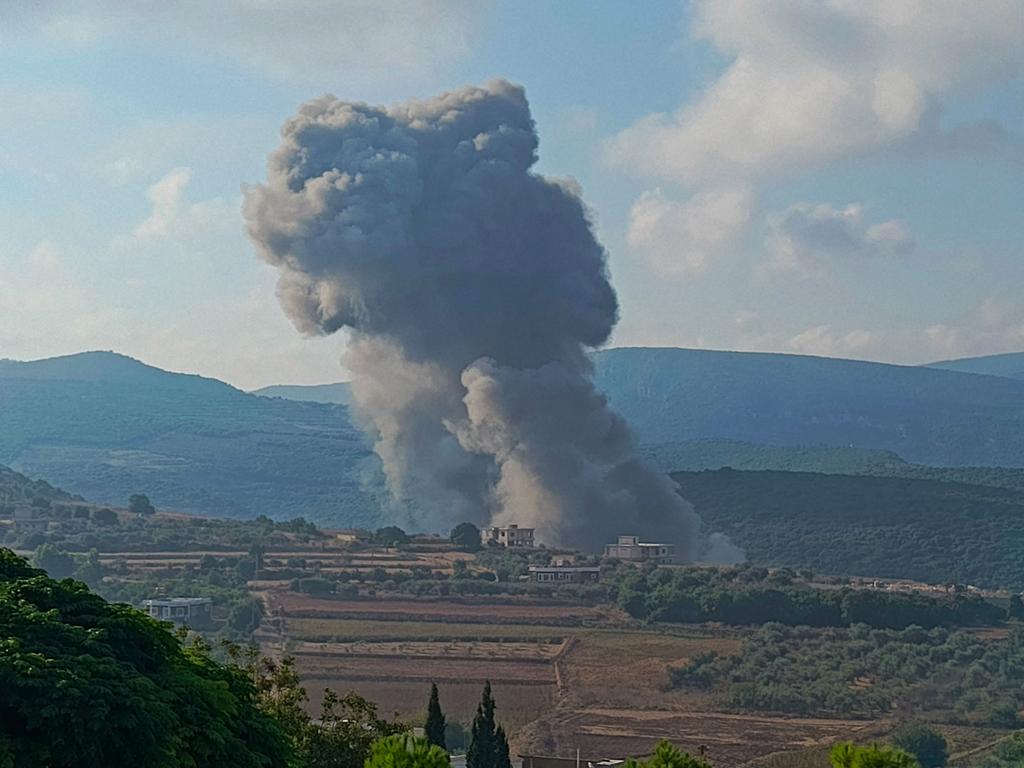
x=473, y=289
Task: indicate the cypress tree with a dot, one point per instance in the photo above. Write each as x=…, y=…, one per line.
x=434, y=727
x=482, y=751
x=502, y=759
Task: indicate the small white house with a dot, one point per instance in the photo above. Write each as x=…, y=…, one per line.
x=512, y=536
x=180, y=610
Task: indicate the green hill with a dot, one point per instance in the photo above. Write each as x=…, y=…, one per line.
x=16, y=489
x=925, y=415
x=890, y=527
x=106, y=426
x=1009, y=365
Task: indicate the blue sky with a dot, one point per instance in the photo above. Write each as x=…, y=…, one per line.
x=825, y=177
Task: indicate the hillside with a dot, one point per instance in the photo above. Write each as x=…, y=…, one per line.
x=1010, y=365
x=17, y=489
x=339, y=394
x=106, y=426
x=925, y=415
x=926, y=530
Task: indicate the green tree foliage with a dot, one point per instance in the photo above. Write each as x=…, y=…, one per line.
x=342, y=735
x=89, y=569
x=150, y=699
x=926, y=744
x=390, y=536
x=104, y=516
x=404, y=750
x=748, y=595
x=467, y=536
x=57, y=563
x=139, y=504
x=862, y=672
x=883, y=527
x=1007, y=754
x=488, y=744
x=847, y=755
x=668, y=756
x=434, y=727
x=348, y=726
x=502, y=758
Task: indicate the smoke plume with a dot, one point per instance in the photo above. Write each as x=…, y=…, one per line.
x=472, y=289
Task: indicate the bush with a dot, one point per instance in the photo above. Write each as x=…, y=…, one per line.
x=924, y=743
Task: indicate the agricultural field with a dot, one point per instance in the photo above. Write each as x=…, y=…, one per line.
x=609, y=669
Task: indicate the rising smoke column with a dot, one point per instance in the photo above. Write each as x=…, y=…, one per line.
x=472, y=289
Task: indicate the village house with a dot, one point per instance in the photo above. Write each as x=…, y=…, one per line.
x=194, y=611
x=632, y=549
x=512, y=536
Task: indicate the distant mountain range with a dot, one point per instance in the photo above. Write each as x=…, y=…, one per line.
x=105, y=426
x=1009, y=365
x=938, y=414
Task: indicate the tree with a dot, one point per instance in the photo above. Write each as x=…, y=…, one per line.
x=139, y=504
x=347, y=729
x=152, y=699
x=404, y=750
x=256, y=551
x=924, y=743
x=89, y=569
x=57, y=563
x=502, y=759
x=391, y=536
x=668, y=756
x=1016, y=609
x=433, y=729
x=848, y=755
x=487, y=742
x=104, y=516
x=341, y=737
x=467, y=536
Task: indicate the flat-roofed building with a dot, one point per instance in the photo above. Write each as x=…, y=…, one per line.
x=512, y=536
x=632, y=549
x=181, y=610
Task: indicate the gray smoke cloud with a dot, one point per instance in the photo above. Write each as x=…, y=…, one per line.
x=472, y=289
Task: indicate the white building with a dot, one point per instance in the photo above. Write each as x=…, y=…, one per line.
x=180, y=610
x=512, y=536
x=632, y=549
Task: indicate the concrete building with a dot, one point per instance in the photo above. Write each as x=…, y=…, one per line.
x=632, y=549
x=195, y=611
x=565, y=574
x=512, y=536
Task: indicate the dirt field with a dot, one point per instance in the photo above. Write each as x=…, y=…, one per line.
x=329, y=630
x=729, y=740
x=541, y=652
x=292, y=605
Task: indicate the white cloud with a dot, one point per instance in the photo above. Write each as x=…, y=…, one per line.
x=685, y=237
x=299, y=40
x=995, y=326
x=820, y=340
x=804, y=237
x=177, y=226
x=812, y=81
x=53, y=311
